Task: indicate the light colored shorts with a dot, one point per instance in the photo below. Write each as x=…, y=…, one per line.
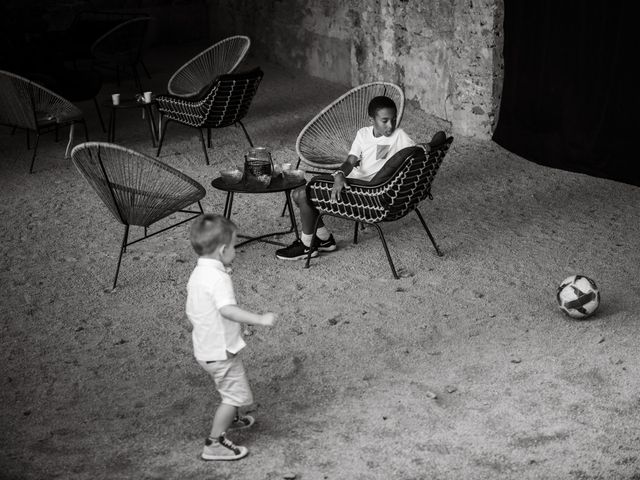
x=231, y=381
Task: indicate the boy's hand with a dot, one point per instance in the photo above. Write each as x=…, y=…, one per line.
x=339, y=183
x=268, y=319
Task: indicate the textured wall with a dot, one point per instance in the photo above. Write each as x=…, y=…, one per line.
x=447, y=54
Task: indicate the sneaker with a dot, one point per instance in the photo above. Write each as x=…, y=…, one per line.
x=222, y=449
x=296, y=251
x=242, y=422
x=328, y=245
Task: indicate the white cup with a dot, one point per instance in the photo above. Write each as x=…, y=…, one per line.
x=115, y=98
x=147, y=97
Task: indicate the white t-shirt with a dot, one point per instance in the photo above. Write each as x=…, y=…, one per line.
x=374, y=152
x=208, y=290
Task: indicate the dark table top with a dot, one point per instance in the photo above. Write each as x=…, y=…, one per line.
x=278, y=184
x=129, y=103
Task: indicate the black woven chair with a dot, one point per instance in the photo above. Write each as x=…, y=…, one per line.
x=396, y=191
x=223, y=103
x=137, y=189
x=27, y=105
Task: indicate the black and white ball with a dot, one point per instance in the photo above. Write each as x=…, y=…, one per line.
x=578, y=296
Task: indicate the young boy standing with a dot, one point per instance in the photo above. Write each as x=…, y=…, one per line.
x=217, y=339
x=371, y=149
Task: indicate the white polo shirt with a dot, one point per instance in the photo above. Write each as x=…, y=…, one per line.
x=374, y=152
x=208, y=290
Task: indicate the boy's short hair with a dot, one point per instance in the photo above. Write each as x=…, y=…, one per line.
x=209, y=231
x=378, y=103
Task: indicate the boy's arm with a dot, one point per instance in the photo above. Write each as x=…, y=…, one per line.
x=237, y=314
x=340, y=176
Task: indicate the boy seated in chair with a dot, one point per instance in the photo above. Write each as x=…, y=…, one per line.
x=371, y=149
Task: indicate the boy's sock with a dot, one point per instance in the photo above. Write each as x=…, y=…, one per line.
x=323, y=233
x=306, y=239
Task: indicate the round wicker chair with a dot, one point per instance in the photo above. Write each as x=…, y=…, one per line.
x=137, y=189
x=325, y=141
x=122, y=47
x=27, y=105
x=222, y=57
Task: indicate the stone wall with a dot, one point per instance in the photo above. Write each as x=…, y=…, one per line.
x=447, y=54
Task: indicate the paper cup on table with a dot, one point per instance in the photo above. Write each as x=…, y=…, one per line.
x=115, y=98
x=147, y=97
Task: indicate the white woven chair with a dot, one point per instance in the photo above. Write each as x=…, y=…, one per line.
x=27, y=105
x=325, y=141
x=222, y=57
x=137, y=189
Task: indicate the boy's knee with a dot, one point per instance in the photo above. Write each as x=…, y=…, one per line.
x=299, y=195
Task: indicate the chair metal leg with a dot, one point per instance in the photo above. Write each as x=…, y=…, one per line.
x=136, y=79
x=204, y=146
x=123, y=247
x=386, y=250
x=164, y=124
x=209, y=137
x=86, y=130
x=35, y=150
x=424, y=224
x=144, y=67
x=95, y=102
x=246, y=133
x=355, y=233
x=284, y=208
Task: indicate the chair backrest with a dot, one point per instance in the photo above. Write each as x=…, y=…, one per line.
x=23, y=103
x=122, y=44
x=222, y=57
x=137, y=189
x=226, y=102
x=325, y=141
x=411, y=183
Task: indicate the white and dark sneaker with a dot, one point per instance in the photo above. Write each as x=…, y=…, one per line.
x=296, y=251
x=241, y=422
x=222, y=449
x=328, y=245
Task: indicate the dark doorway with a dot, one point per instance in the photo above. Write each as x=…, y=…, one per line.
x=568, y=99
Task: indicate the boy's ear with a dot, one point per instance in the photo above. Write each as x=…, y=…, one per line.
x=222, y=248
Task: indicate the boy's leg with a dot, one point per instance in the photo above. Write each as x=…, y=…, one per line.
x=308, y=215
x=231, y=383
x=222, y=419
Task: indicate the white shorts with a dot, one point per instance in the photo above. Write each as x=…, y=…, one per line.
x=231, y=381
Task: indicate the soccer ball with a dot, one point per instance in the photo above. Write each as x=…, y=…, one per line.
x=578, y=296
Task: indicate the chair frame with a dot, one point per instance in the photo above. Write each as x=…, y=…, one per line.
x=206, y=53
x=366, y=190
x=139, y=47
x=125, y=239
x=378, y=88
x=32, y=124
